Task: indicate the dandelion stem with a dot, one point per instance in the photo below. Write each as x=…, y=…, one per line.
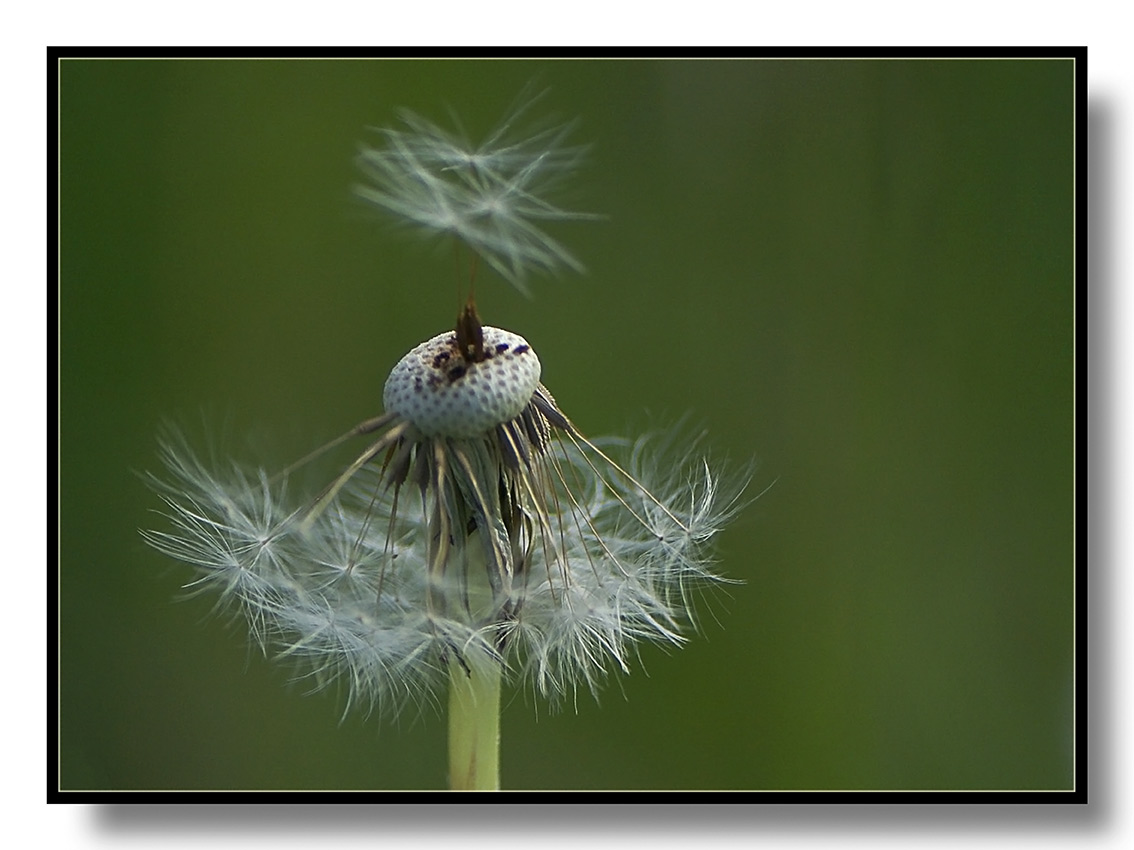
x=474, y=725
x=474, y=686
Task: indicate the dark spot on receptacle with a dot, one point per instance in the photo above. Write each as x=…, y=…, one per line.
x=522, y=349
x=501, y=347
x=417, y=384
x=456, y=373
x=442, y=357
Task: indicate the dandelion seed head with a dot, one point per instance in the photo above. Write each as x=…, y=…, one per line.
x=443, y=394
x=554, y=556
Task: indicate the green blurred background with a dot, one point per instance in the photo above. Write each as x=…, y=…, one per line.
x=858, y=273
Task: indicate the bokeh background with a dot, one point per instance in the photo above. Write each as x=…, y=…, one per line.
x=857, y=273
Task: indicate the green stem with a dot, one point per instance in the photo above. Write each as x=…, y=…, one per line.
x=474, y=725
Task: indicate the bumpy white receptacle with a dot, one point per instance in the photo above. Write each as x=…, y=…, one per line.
x=444, y=396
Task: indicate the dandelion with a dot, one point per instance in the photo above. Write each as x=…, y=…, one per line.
x=480, y=535
x=479, y=538
x=495, y=196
